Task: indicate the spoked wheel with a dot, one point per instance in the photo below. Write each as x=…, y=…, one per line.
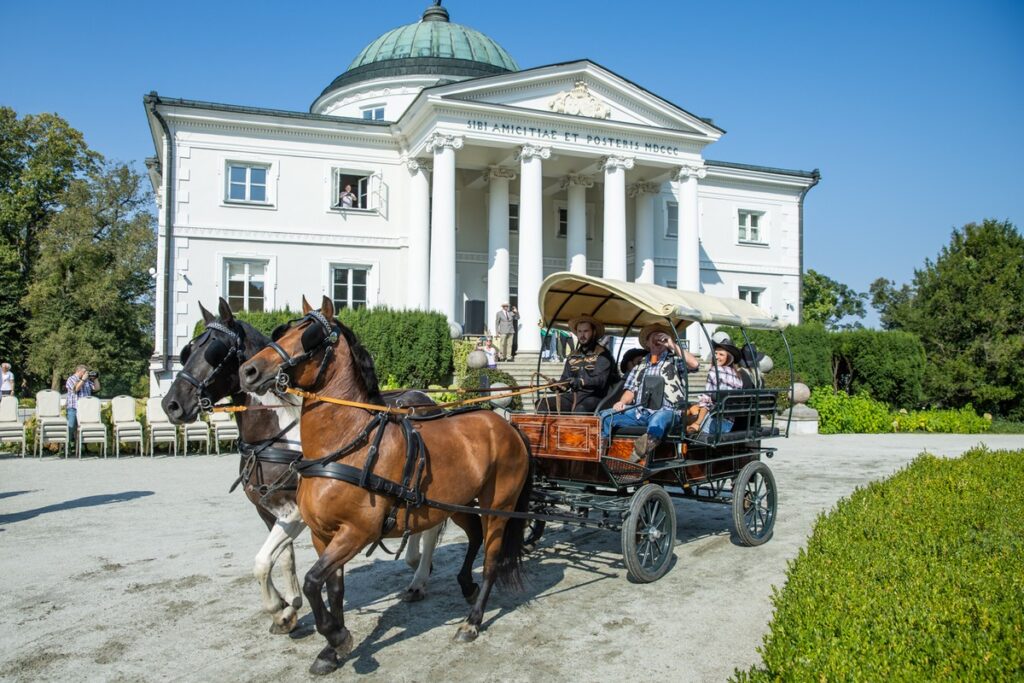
x=649, y=534
x=532, y=532
x=753, y=503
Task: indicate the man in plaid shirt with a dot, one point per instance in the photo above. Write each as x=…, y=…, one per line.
x=654, y=390
x=79, y=385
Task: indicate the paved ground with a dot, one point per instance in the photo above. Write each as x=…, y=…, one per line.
x=139, y=569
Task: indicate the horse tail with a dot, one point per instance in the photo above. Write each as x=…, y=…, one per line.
x=510, y=567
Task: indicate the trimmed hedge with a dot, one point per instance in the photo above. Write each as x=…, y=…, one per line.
x=888, y=365
x=409, y=348
x=918, y=578
x=810, y=344
x=841, y=413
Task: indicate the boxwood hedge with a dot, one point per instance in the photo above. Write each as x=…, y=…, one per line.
x=917, y=578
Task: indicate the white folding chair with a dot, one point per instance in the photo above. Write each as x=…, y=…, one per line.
x=11, y=430
x=224, y=428
x=160, y=428
x=197, y=431
x=127, y=429
x=90, y=425
x=51, y=426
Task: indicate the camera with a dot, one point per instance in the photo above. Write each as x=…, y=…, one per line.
x=93, y=374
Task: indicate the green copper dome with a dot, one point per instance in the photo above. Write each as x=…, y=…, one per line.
x=431, y=46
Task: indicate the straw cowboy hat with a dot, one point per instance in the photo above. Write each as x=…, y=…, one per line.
x=648, y=330
x=598, y=326
x=730, y=349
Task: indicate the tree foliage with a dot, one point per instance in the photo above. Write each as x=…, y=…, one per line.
x=90, y=298
x=828, y=302
x=892, y=304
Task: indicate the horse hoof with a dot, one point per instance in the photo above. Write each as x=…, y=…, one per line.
x=286, y=624
x=413, y=595
x=326, y=662
x=467, y=633
x=471, y=598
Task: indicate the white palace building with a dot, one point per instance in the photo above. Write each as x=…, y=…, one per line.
x=470, y=181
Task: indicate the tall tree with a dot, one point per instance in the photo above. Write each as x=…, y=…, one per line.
x=90, y=300
x=894, y=305
x=829, y=302
x=968, y=308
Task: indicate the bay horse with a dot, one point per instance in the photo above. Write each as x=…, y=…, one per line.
x=466, y=457
x=209, y=374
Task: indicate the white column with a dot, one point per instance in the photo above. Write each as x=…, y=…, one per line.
x=497, y=241
x=417, y=279
x=614, y=257
x=531, y=236
x=576, y=231
x=643, y=255
x=442, y=228
x=688, y=254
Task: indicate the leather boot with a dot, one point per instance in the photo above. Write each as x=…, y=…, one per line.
x=643, y=447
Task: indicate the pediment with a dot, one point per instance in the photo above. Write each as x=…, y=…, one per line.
x=580, y=89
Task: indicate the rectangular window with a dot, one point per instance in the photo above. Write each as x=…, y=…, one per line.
x=349, y=287
x=750, y=227
x=751, y=294
x=513, y=218
x=246, y=284
x=563, y=222
x=671, y=219
x=373, y=114
x=356, y=190
x=247, y=183
x=561, y=218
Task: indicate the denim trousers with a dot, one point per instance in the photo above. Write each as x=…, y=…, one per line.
x=72, y=425
x=657, y=422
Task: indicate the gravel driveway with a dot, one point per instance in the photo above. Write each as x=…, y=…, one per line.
x=140, y=569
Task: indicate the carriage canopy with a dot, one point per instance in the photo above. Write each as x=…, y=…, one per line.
x=621, y=305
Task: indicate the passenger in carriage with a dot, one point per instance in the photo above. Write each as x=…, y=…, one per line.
x=590, y=370
x=654, y=391
x=722, y=377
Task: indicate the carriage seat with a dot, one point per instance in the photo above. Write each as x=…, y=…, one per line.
x=613, y=395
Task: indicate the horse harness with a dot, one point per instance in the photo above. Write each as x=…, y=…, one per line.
x=216, y=354
x=322, y=335
x=255, y=455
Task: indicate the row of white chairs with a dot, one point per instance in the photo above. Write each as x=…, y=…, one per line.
x=52, y=426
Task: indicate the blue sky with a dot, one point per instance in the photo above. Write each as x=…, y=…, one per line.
x=911, y=110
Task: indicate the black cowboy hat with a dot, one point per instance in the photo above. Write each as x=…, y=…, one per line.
x=730, y=349
x=751, y=356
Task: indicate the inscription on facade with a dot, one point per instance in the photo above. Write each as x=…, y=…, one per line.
x=603, y=142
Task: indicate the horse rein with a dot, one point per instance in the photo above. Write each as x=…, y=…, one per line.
x=235, y=352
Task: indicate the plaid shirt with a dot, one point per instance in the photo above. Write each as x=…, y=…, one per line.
x=86, y=390
x=724, y=379
x=635, y=380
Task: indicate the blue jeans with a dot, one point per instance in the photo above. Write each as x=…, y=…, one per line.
x=657, y=422
x=72, y=425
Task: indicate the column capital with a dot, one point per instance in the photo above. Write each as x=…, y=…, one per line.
x=643, y=188
x=414, y=164
x=527, y=152
x=439, y=141
x=577, y=180
x=499, y=172
x=617, y=163
x=697, y=171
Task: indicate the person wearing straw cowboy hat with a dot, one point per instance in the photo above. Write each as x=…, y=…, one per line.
x=654, y=390
x=722, y=377
x=589, y=371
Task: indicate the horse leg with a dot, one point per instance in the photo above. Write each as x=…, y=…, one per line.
x=279, y=545
x=494, y=528
x=331, y=623
x=417, y=589
x=412, y=551
x=474, y=533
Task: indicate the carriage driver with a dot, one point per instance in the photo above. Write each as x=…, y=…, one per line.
x=590, y=370
x=654, y=391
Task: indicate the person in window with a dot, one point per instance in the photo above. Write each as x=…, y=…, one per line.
x=589, y=370
x=347, y=199
x=80, y=384
x=654, y=390
x=722, y=377
x=6, y=380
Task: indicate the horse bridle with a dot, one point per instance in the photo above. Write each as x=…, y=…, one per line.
x=235, y=352
x=324, y=336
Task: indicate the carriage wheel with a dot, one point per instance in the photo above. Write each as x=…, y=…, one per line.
x=648, y=534
x=532, y=532
x=753, y=503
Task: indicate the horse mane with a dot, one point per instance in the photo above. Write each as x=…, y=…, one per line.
x=362, y=363
x=253, y=338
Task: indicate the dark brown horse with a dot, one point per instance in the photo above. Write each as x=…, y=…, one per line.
x=473, y=456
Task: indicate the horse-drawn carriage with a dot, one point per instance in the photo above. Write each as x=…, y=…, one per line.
x=584, y=479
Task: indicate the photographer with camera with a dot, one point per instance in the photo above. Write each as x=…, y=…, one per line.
x=79, y=385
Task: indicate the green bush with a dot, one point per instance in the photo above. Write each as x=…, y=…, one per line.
x=963, y=421
x=461, y=348
x=472, y=381
x=918, y=578
x=810, y=344
x=840, y=413
x=409, y=348
x=888, y=365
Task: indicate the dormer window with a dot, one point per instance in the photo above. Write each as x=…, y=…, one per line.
x=374, y=113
